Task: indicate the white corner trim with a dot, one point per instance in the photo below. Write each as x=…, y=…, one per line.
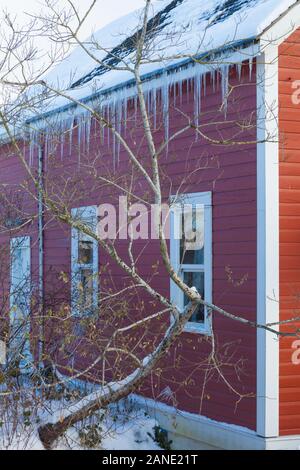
x=267, y=242
x=268, y=219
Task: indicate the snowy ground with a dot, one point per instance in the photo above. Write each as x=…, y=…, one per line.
x=127, y=432
x=119, y=429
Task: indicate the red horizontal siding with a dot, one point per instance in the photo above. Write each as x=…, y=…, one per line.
x=289, y=169
x=193, y=165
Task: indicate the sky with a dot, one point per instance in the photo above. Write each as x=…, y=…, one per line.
x=104, y=11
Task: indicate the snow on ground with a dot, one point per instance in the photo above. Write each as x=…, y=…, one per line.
x=120, y=429
x=133, y=435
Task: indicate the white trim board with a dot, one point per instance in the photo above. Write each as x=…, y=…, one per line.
x=19, y=315
x=190, y=431
x=87, y=215
x=268, y=220
x=267, y=244
x=195, y=432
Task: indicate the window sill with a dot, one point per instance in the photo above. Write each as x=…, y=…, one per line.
x=196, y=328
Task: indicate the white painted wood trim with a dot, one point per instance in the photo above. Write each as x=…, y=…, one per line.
x=281, y=28
x=267, y=243
x=84, y=214
x=268, y=219
x=190, y=431
x=23, y=243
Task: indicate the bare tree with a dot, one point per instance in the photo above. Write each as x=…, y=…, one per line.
x=27, y=98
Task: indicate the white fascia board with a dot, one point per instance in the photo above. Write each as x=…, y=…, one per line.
x=282, y=28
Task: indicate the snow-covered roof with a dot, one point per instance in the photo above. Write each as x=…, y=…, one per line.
x=177, y=27
x=177, y=30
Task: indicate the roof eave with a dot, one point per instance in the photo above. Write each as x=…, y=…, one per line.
x=206, y=56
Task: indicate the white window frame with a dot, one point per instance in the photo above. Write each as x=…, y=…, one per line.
x=24, y=244
x=177, y=296
x=87, y=215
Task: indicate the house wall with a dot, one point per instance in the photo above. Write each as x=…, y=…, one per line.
x=17, y=208
x=191, y=165
x=289, y=169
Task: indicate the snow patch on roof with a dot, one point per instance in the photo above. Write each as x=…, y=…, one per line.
x=178, y=27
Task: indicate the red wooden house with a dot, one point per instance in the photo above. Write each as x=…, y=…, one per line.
x=245, y=88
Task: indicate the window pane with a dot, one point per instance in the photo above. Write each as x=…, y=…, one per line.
x=85, y=252
x=195, y=280
x=192, y=239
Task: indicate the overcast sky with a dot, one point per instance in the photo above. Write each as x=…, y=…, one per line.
x=104, y=11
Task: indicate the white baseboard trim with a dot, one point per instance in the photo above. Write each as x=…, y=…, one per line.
x=190, y=431
x=194, y=432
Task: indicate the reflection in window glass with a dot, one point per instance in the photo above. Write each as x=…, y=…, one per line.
x=192, y=238
x=85, y=252
x=195, y=279
x=86, y=289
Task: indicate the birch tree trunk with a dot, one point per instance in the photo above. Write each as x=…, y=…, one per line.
x=115, y=391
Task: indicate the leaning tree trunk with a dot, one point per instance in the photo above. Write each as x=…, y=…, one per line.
x=115, y=391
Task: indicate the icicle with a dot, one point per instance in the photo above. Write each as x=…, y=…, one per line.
x=79, y=140
x=250, y=67
x=239, y=70
x=148, y=100
x=174, y=94
x=88, y=131
x=135, y=109
x=71, y=135
x=180, y=91
x=102, y=124
x=218, y=78
x=83, y=133
x=24, y=145
x=165, y=106
x=188, y=80
x=108, y=112
x=114, y=139
x=213, y=80
x=150, y=110
x=125, y=104
x=154, y=108
x=188, y=84
x=225, y=86
x=93, y=127
x=197, y=96
x=119, y=117
x=62, y=139
x=32, y=139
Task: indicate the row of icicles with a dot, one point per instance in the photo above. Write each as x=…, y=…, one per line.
x=58, y=130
